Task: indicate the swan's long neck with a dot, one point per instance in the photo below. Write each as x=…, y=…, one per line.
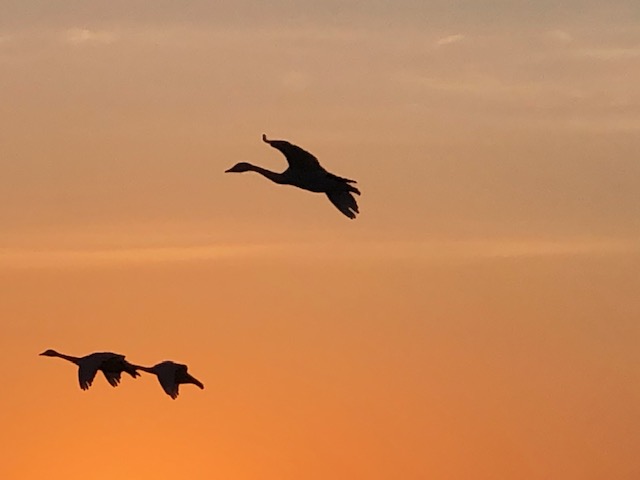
x=195, y=381
x=68, y=358
x=273, y=176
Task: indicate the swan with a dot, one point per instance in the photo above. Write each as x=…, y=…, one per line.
x=110, y=364
x=306, y=172
x=171, y=375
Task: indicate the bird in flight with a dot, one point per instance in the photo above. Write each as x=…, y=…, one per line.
x=171, y=375
x=306, y=172
x=110, y=364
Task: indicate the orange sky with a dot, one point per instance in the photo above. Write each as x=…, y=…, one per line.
x=479, y=320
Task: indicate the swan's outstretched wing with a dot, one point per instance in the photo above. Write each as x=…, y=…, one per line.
x=112, y=377
x=345, y=202
x=89, y=366
x=86, y=374
x=298, y=158
x=113, y=366
x=166, y=372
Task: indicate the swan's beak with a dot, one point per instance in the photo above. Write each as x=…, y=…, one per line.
x=229, y=170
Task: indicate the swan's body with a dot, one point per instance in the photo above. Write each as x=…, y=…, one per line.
x=171, y=375
x=306, y=172
x=110, y=364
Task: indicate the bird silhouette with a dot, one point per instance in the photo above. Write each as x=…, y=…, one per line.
x=306, y=172
x=171, y=375
x=110, y=364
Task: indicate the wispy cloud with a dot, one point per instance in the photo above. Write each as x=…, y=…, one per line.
x=470, y=250
x=430, y=251
x=20, y=258
x=560, y=36
x=612, y=53
x=450, y=39
x=482, y=85
x=82, y=36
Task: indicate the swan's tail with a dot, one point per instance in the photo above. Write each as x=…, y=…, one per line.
x=346, y=181
x=345, y=202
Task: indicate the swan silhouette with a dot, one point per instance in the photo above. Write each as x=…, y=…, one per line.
x=306, y=172
x=110, y=364
x=171, y=375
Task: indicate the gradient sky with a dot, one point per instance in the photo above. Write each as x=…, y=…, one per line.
x=479, y=320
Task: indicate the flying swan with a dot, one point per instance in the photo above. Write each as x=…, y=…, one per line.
x=171, y=375
x=306, y=172
x=110, y=364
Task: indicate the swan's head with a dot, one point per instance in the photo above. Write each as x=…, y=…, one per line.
x=49, y=353
x=240, y=167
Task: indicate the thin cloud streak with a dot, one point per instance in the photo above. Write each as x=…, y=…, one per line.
x=21, y=258
x=430, y=252
x=560, y=36
x=83, y=36
x=450, y=39
x=612, y=53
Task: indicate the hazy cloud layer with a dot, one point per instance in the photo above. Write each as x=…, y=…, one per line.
x=281, y=12
x=527, y=124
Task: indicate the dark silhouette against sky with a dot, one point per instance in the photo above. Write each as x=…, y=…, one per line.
x=306, y=172
x=110, y=364
x=171, y=375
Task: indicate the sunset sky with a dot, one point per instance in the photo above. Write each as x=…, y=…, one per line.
x=479, y=320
